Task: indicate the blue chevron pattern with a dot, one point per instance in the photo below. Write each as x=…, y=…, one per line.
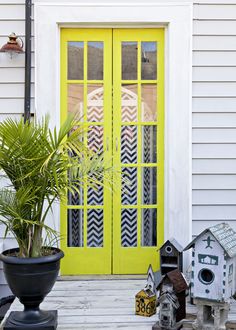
x=95, y=139
x=146, y=191
x=129, y=227
x=95, y=195
x=129, y=189
x=149, y=195
x=149, y=137
x=75, y=227
x=129, y=144
x=76, y=198
x=95, y=228
x=149, y=223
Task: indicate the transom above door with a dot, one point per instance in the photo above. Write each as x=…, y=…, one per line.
x=114, y=80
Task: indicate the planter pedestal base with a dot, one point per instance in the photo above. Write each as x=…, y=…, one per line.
x=12, y=324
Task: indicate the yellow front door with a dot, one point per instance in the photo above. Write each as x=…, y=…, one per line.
x=114, y=79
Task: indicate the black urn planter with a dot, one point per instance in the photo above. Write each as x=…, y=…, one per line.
x=31, y=279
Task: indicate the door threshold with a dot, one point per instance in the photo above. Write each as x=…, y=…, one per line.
x=101, y=277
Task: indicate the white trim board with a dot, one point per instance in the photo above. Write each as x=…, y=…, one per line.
x=177, y=20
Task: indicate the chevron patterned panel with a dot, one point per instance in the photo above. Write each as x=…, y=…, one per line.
x=149, y=144
x=149, y=185
x=129, y=113
x=76, y=198
x=129, y=144
x=95, y=139
x=149, y=226
x=95, y=228
x=95, y=103
x=129, y=227
x=95, y=195
x=129, y=186
x=75, y=227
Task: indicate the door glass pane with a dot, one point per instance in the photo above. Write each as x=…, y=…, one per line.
x=129, y=186
x=149, y=60
x=95, y=139
x=75, y=62
x=95, y=195
x=149, y=102
x=129, y=227
x=75, y=99
x=77, y=198
x=95, y=103
x=95, y=60
x=149, y=227
x=129, y=103
x=129, y=60
x=129, y=144
x=95, y=228
x=149, y=185
x=75, y=221
x=149, y=144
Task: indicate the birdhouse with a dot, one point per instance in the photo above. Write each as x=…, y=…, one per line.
x=145, y=303
x=168, y=306
x=153, y=279
x=175, y=282
x=171, y=256
x=213, y=263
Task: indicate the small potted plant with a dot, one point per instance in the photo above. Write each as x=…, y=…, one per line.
x=40, y=166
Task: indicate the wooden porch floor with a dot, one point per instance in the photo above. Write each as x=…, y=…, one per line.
x=99, y=303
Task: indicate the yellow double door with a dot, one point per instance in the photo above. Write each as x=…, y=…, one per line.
x=114, y=80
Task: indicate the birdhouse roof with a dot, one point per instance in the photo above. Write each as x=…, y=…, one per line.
x=177, y=279
x=224, y=235
x=171, y=297
x=176, y=245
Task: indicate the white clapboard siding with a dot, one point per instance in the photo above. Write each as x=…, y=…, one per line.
x=204, y=73
x=13, y=105
x=214, y=181
x=214, y=11
x=214, y=135
x=200, y=225
x=12, y=11
x=214, y=166
x=214, y=150
x=214, y=120
x=214, y=27
x=214, y=104
x=14, y=75
x=214, y=212
x=214, y=197
x=216, y=89
x=223, y=43
x=14, y=90
x=215, y=58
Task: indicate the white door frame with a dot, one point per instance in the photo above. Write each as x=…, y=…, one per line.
x=177, y=20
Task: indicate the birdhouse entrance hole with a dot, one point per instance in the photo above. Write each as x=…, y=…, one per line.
x=206, y=276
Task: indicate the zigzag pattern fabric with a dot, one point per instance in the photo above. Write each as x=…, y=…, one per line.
x=129, y=144
x=75, y=227
x=129, y=227
x=149, y=144
x=129, y=189
x=76, y=198
x=95, y=195
x=95, y=139
x=146, y=227
x=95, y=105
x=95, y=228
x=146, y=191
x=129, y=113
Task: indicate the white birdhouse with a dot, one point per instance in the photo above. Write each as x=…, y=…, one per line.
x=213, y=263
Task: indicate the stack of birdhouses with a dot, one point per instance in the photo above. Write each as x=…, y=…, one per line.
x=213, y=275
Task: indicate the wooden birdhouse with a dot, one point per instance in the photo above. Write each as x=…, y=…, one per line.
x=171, y=256
x=175, y=282
x=153, y=280
x=213, y=263
x=145, y=303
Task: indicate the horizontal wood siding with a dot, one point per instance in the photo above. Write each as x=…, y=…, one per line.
x=214, y=114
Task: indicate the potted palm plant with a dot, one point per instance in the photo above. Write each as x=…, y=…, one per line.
x=40, y=166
